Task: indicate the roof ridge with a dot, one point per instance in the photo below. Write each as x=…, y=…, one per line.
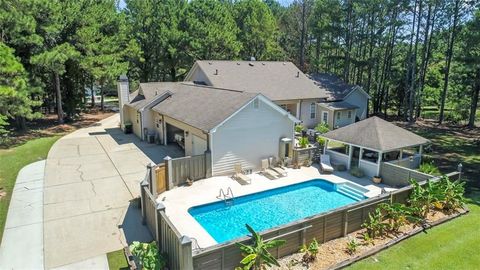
x=212, y=87
x=377, y=130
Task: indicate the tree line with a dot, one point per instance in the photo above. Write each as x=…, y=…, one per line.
x=409, y=55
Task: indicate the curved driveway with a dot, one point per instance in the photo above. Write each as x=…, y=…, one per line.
x=90, y=177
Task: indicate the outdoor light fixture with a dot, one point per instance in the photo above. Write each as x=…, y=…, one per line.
x=186, y=133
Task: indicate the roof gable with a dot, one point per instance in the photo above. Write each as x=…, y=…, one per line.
x=376, y=134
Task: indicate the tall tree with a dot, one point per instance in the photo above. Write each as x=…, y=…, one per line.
x=212, y=32
x=257, y=30
x=15, y=92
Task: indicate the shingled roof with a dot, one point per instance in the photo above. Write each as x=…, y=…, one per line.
x=335, y=88
x=202, y=107
x=274, y=79
x=376, y=134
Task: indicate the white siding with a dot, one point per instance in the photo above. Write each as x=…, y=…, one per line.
x=199, y=76
x=359, y=99
x=247, y=137
x=343, y=120
x=132, y=116
x=305, y=114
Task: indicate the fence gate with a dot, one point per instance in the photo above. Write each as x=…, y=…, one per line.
x=161, y=179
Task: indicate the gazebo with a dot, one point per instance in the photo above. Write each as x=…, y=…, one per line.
x=368, y=143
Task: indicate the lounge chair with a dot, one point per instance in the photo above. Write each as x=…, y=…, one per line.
x=269, y=173
x=325, y=164
x=275, y=167
x=241, y=178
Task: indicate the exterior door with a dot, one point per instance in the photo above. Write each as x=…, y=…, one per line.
x=161, y=179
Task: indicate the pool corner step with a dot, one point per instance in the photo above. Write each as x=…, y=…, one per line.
x=351, y=192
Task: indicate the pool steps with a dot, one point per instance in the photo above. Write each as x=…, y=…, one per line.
x=352, y=191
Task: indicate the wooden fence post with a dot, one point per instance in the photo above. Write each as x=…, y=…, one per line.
x=160, y=207
x=186, y=258
x=208, y=164
x=143, y=199
x=168, y=172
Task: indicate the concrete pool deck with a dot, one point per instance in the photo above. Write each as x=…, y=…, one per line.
x=178, y=200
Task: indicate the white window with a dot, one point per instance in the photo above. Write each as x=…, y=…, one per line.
x=338, y=115
x=325, y=117
x=349, y=114
x=313, y=111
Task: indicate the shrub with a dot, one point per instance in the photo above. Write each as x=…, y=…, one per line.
x=352, y=246
x=310, y=252
x=303, y=142
x=148, y=255
x=357, y=172
x=429, y=168
x=320, y=141
x=450, y=194
x=423, y=198
x=374, y=224
x=322, y=128
x=298, y=128
x=257, y=256
x=397, y=214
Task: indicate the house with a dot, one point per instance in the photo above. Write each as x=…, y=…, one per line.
x=345, y=104
x=230, y=126
x=369, y=143
x=311, y=99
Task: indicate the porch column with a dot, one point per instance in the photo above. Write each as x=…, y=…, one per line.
x=298, y=110
x=379, y=162
x=350, y=154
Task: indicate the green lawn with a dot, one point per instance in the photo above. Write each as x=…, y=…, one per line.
x=452, y=245
x=116, y=260
x=11, y=161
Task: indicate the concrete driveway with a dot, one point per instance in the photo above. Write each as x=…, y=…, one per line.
x=91, y=176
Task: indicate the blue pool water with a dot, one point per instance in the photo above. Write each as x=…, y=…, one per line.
x=268, y=209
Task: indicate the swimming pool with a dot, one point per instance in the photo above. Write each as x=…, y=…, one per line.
x=271, y=208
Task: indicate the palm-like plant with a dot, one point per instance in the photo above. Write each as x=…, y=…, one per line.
x=303, y=142
x=257, y=256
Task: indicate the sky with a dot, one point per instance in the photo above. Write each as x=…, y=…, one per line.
x=121, y=3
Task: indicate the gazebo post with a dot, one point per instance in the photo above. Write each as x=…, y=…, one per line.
x=401, y=155
x=420, y=152
x=379, y=162
x=325, y=146
x=350, y=154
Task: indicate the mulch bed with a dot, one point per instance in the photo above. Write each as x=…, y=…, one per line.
x=333, y=254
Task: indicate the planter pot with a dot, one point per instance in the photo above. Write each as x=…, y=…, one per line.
x=377, y=179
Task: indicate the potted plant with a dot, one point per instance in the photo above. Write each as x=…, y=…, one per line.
x=377, y=179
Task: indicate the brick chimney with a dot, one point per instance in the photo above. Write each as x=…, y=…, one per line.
x=123, y=97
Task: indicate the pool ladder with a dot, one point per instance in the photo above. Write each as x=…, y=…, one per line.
x=228, y=197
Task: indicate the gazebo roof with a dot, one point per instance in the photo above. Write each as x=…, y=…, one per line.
x=376, y=134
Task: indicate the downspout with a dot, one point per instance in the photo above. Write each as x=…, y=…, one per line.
x=208, y=156
x=141, y=124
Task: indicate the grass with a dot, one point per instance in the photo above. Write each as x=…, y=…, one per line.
x=14, y=159
x=452, y=245
x=116, y=260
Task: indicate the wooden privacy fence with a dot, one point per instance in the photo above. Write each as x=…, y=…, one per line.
x=177, y=247
x=191, y=167
x=300, y=155
x=395, y=175
x=323, y=227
